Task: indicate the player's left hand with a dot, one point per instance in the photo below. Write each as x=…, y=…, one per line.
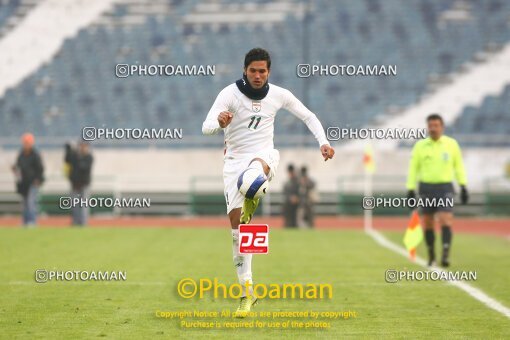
x=327, y=152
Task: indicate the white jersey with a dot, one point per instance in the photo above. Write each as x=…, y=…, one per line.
x=252, y=125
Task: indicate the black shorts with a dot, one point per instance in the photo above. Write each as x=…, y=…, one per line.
x=440, y=191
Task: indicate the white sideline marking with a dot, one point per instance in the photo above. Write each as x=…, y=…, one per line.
x=34, y=283
x=474, y=292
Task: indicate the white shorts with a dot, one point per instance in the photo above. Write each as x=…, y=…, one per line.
x=233, y=167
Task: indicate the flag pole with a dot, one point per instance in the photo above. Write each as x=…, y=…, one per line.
x=369, y=171
x=367, y=213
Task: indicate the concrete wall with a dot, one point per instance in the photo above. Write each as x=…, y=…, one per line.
x=172, y=170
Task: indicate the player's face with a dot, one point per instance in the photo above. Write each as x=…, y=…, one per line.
x=257, y=73
x=435, y=127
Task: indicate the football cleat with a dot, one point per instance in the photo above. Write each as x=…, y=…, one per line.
x=245, y=305
x=249, y=207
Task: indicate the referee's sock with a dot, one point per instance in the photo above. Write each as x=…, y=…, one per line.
x=446, y=235
x=430, y=238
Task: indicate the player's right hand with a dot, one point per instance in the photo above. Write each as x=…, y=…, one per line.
x=224, y=118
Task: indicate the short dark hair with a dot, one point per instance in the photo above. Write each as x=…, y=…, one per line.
x=304, y=170
x=257, y=54
x=435, y=116
x=290, y=168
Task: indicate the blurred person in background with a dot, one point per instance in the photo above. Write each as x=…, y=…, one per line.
x=307, y=199
x=291, y=198
x=29, y=172
x=435, y=163
x=79, y=167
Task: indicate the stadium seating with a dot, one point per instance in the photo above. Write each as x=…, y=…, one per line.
x=492, y=118
x=7, y=10
x=79, y=88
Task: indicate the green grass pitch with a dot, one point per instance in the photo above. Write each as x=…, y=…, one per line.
x=155, y=259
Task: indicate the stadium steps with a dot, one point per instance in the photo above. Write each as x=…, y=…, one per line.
x=134, y=12
x=487, y=124
x=467, y=88
x=37, y=39
x=12, y=12
x=241, y=13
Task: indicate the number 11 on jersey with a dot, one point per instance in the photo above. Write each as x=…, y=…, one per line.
x=254, y=122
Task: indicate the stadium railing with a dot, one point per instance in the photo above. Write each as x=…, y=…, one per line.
x=205, y=197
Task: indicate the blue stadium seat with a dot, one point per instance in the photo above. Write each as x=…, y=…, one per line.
x=84, y=89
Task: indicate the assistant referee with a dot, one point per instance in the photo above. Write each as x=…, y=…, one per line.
x=435, y=162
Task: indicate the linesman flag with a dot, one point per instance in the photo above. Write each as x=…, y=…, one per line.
x=368, y=159
x=414, y=234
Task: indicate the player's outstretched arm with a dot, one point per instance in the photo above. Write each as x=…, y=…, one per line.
x=312, y=122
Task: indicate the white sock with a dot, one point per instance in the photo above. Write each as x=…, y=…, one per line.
x=242, y=263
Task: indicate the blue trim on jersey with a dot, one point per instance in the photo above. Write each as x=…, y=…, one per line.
x=255, y=186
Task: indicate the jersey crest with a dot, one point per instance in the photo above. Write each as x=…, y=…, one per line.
x=256, y=106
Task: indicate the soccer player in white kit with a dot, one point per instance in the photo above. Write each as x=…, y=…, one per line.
x=245, y=111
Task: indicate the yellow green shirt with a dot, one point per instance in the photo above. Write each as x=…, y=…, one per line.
x=436, y=162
